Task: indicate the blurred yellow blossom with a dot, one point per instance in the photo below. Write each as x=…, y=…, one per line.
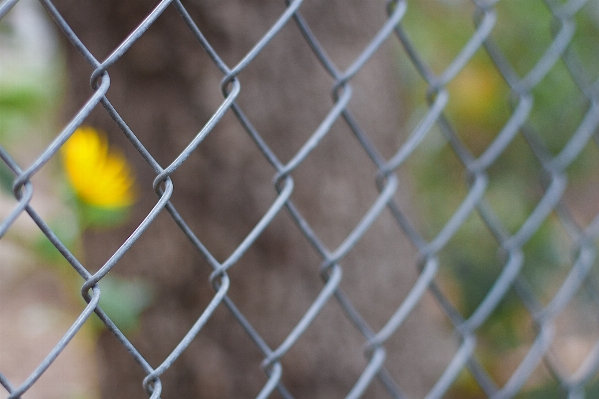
x=99, y=175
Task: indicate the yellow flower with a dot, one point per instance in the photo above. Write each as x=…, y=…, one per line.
x=99, y=175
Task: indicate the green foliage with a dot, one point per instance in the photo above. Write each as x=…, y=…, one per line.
x=6, y=178
x=548, y=391
x=31, y=88
x=28, y=98
x=124, y=301
x=554, y=391
x=98, y=217
x=480, y=104
x=67, y=231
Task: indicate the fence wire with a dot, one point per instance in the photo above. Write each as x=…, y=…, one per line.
x=434, y=92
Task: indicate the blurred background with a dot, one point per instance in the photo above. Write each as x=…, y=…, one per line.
x=39, y=297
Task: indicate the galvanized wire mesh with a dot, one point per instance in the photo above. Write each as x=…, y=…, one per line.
x=553, y=169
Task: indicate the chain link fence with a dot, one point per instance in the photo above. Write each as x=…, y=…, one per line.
x=549, y=123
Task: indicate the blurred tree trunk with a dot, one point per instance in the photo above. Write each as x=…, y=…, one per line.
x=166, y=88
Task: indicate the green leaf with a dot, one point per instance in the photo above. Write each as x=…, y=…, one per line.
x=68, y=232
x=124, y=300
x=96, y=217
x=6, y=178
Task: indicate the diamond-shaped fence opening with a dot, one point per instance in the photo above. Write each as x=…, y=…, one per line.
x=299, y=199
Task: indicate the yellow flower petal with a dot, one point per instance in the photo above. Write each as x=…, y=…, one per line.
x=99, y=175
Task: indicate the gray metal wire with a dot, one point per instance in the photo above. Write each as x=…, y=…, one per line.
x=553, y=175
